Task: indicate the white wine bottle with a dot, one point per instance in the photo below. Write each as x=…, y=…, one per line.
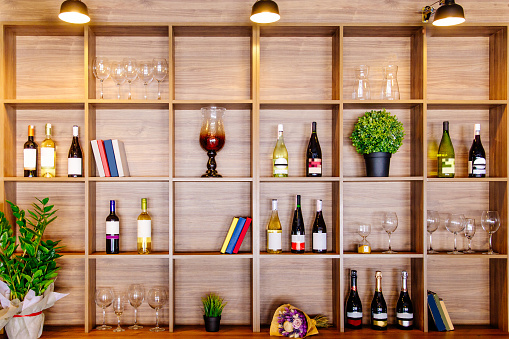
x=144, y=229
x=280, y=155
x=445, y=154
x=274, y=231
x=48, y=155
x=75, y=156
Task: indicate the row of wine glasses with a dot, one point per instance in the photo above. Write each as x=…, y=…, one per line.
x=129, y=70
x=457, y=223
x=389, y=224
x=156, y=297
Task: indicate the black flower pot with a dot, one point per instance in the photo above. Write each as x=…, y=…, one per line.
x=377, y=164
x=212, y=323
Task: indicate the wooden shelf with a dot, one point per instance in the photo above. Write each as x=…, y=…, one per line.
x=380, y=255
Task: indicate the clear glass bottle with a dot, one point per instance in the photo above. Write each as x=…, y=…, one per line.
x=144, y=229
x=48, y=155
x=390, y=87
x=361, y=89
x=280, y=155
x=274, y=231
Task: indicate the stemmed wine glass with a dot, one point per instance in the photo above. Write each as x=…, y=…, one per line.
x=103, y=299
x=160, y=72
x=118, y=307
x=212, y=136
x=136, y=295
x=156, y=298
x=469, y=232
x=490, y=222
x=101, y=69
x=117, y=74
x=433, y=221
x=455, y=225
x=389, y=224
x=131, y=72
x=146, y=74
x=364, y=230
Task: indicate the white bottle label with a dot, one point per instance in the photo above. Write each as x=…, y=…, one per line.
x=354, y=314
x=144, y=228
x=319, y=241
x=74, y=166
x=47, y=157
x=298, y=242
x=448, y=165
x=404, y=315
x=315, y=166
x=280, y=166
x=479, y=166
x=274, y=240
x=112, y=227
x=29, y=159
x=379, y=316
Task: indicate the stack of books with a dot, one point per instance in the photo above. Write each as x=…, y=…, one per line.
x=235, y=235
x=439, y=317
x=110, y=158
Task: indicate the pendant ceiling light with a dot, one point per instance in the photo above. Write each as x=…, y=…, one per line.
x=74, y=11
x=265, y=12
x=448, y=14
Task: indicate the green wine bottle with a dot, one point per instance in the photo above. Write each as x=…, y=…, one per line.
x=445, y=155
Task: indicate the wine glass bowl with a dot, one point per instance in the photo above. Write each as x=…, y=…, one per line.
x=389, y=224
x=103, y=299
x=490, y=223
x=136, y=296
x=118, y=308
x=160, y=73
x=118, y=74
x=455, y=225
x=131, y=72
x=469, y=232
x=433, y=222
x=212, y=137
x=146, y=74
x=101, y=69
x=156, y=298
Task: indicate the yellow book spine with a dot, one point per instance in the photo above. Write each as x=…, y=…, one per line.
x=446, y=314
x=229, y=235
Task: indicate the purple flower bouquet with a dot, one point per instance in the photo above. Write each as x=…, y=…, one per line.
x=291, y=322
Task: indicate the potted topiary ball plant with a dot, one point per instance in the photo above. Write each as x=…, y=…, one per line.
x=377, y=135
x=212, y=308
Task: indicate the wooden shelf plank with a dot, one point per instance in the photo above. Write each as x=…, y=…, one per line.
x=129, y=179
x=378, y=104
x=380, y=255
x=382, y=179
x=300, y=179
x=198, y=104
x=464, y=104
x=202, y=255
x=455, y=179
x=199, y=179
x=306, y=255
x=129, y=255
x=39, y=179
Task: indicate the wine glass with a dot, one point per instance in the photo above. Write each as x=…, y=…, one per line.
x=156, y=298
x=117, y=74
x=146, y=74
x=160, y=72
x=389, y=224
x=469, y=232
x=131, y=72
x=490, y=222
x=364, y=230
x=101, y=69
x=136, y=295
x=212, y=136
x=103, y=299
x=433, y=221
x=118, y=307
x=455, y=224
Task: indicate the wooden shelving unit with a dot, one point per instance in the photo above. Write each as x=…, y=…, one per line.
x=264, y=75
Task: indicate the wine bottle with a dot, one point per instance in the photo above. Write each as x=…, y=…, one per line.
x=378, y=306
x=48, y=155
x=280, y=155
x=144, y=229
x=404, y=308
x=445, y=155
x=75, y=157
x=319, y=231
x=314, y=155
x=298, y=238
x=477, y=156
x=112, y=231
x=353, y=304
x=274, y=231
x=30, y=155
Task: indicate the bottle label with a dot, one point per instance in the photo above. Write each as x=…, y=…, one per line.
x=364, y=249
x=112, y=227
x=478, y=166
x=274, y=240
x=47, y=157
x=74, y=166
x=315, y=166
x=319, y=241
x=144, y=228
x=298, y=242
x=354, y=318
x=379, y=316
x=448, y=165
x=29, y=159
x=379, y=323
x=405, y=316
x=354, y=315
x=280, y=166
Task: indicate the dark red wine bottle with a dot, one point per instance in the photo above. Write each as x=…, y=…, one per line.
x=353, y=304
x=112, y=231
x=319, y=231
x=477, y=156
x=314, y=155
x=298, y=238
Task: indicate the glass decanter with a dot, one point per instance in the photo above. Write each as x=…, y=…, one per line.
x=390, y=87
x=361, y=89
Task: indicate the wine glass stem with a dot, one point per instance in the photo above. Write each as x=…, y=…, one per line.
x=491, y=245
x=470, y=244
x=129, y=91
x=430, y=242
x=118, y=91
x=102, y=95
x=104, y=316
x=118, y=322
x=390, y=249
x=157, y=317
x=145, y=91
x=455, y=250
x=135, y=315
x=158, y=90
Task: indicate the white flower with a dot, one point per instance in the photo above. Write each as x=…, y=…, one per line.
x=297, y=323
x=288, y=326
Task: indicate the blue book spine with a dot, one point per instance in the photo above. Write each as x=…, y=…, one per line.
x=110, y=154
x=235, y=236
x=435, y=313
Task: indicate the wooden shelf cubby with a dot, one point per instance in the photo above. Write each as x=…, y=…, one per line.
x=264, y=75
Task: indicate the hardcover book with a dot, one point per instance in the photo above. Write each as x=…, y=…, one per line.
x=242, y=235
x=110, y=155
x=235, y=235
x=229, y=234
x=97, y=157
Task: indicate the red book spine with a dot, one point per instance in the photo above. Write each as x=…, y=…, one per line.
x=242, y=235
x=104, y=159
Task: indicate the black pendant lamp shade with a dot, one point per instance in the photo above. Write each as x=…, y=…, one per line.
x=74, y=11
x=265, y=12
x=450, y=13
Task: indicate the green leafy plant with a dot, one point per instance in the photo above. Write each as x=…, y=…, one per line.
x=34, y=267
x=377, y=131
x=213, y=305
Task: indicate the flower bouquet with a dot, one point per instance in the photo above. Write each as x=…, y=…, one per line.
x=28, y=275
x=289, y=321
